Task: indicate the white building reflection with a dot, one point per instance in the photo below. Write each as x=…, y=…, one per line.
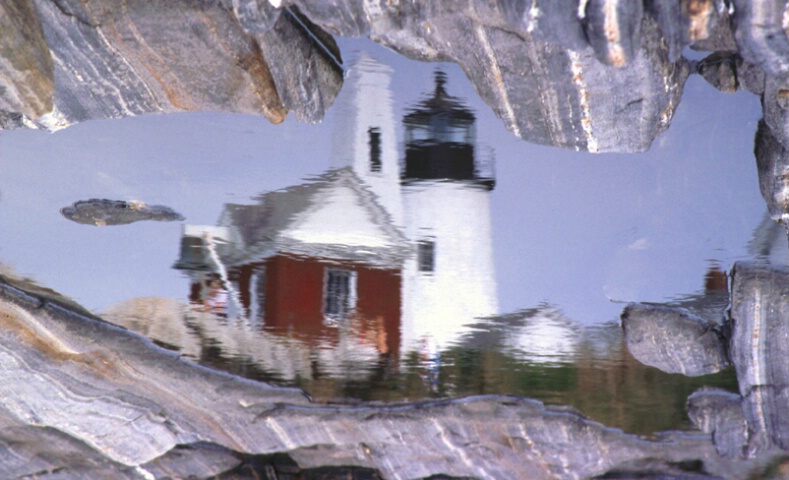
x=543, y=336
x=445, y=193
x=370, y=262
x=396, y=252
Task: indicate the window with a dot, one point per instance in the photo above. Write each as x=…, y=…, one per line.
x=258, y=290
x=417, y=133
x=426, y=255
x=339, y=293
x=375, y=148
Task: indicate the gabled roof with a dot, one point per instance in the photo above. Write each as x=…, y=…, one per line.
x=334, y=216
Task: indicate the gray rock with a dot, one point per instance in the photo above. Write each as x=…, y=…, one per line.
x=103, y=212
x=116, y=59
x=710, y=25
x=541, y=66
x=702, y=25
x=719, y=413
x=31, y=451
x=775, y=102
x=72, y=383
x=256, y=16
x=759, y=349
x=198, y=459
x=535, y=63
x=772, y=163
x=613, y=29
x=672, y=18
x=750, y=77
x=728, y=72
x=554, y=22
x=97, y=383
x=755, y=422
x=543, y=91
x=762, y=34
x=720, y=71
x=765, y=408
x=26, y=72
x=658, y=469
x=673, y=339
x=305, y=64
x=347, y=18
x=207, y=460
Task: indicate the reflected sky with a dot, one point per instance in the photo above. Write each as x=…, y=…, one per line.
x=544, y=248
x=580, y=232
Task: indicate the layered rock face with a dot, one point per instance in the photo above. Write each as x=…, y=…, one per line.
x=759, y=349
x=80, y=397
x=754, y=339
x=94, y=60
x=772, y=165
x=27, y=86
x=600, y=79
x=600, y=75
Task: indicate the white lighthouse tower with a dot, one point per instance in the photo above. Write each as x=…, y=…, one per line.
x=365, y=137
x=450, y=281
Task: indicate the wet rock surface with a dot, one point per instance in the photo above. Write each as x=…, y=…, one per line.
x=728, y=72
x=673, y=339
x=760, y=31
x=80, y=396
x=25, y=65
x=103, y=212
x=116, y=59
x=719, y=413
x=754, y=421
x=776, y=107
x=772, y=165
x=571, y=99
x=607, y=76
x=760, y=349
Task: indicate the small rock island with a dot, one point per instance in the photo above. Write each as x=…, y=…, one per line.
x=103, y=212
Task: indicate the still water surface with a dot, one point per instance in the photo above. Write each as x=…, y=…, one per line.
x=407, y=247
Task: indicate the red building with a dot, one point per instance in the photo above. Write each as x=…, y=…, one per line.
x=312, y=261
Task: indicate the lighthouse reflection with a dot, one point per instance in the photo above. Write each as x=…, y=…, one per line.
x=373, y=259
x=374, y=280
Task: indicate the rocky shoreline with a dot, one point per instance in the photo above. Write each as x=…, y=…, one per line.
x=605, y=76
x=83, y=397
x=80, y=397
x=753, y=338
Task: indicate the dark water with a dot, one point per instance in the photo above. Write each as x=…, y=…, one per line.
x=408, y=247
